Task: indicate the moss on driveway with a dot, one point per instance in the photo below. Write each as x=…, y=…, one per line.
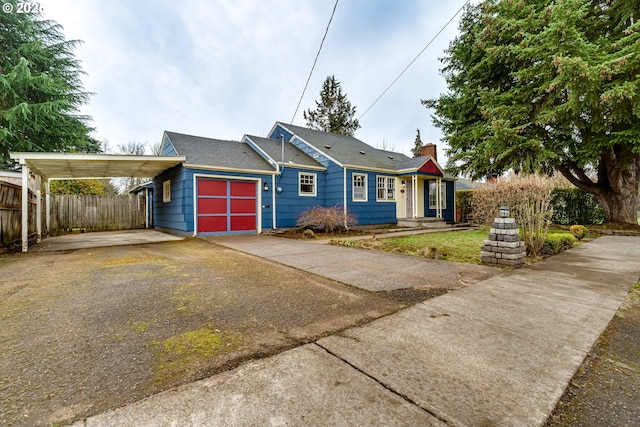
x=88, y=330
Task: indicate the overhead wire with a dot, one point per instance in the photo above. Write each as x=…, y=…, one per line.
x=414, y=60
x=315, y=60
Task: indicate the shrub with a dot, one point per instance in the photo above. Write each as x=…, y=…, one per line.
x=463, y=204
x=579, y=231
x=575, y=206
x=308, y=234
x=528, y=199
x=556, y=243
x=326, y=220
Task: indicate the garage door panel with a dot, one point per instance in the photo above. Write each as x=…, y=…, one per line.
x=243, y=223
x=226, y=206
x=243, y=206
x=243, y=189
x=212, y=187
x=212, y=206
x=212, y=224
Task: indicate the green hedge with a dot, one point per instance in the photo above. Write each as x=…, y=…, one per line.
x=463, y=204
x=575, y=206
x=556, y=243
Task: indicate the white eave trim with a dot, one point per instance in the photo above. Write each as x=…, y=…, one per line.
x=226, y=169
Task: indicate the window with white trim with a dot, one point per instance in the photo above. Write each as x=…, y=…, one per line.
x=386, y=188
x=307, y=184
x=359, y=187
x=166, y=191
x=432, y=195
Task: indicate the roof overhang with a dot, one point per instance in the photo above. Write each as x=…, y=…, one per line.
x=86, y=166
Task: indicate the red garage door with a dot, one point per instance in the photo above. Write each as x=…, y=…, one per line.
x=226, y=206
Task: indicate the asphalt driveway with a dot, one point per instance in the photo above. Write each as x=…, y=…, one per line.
x=92, y=329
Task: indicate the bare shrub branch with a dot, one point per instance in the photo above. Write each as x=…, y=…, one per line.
x=528, y=198
x=328, y=220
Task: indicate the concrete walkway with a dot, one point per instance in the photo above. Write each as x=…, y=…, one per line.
x=365, y=269
x=497, y=353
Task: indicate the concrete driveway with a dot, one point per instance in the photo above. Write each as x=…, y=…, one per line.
x=498, y=353
x=86, y=330
x=100, y=239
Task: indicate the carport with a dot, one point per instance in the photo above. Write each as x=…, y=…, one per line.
x=50, y=166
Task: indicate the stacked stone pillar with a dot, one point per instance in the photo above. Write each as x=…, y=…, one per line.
x=504, y=246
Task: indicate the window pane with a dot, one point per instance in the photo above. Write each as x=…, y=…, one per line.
x=307, y=184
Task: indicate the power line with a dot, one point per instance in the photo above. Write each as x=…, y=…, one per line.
x=414, y=59
x=315, y=61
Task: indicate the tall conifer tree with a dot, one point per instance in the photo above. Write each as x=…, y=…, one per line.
x=334, y=113
x=40, y=88
x=539, y=85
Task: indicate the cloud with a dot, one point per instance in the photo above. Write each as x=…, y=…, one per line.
x=223, y=69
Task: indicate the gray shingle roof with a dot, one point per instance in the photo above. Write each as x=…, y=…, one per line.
x=218, y=153
x=292, y=155
x=347, y=149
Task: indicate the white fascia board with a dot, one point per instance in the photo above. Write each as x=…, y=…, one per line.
x=226, y=169
x=369, y=169
x=26, y=156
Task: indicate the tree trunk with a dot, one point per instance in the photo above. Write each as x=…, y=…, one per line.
x=621, y=171
x=618, y=186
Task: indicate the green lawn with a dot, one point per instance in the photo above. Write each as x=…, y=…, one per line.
x=461, y=246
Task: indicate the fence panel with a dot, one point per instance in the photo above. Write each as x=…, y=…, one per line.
x=97, y=213
x=11, y=213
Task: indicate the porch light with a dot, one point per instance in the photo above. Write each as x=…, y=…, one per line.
x=504, y=211
x=266, y=187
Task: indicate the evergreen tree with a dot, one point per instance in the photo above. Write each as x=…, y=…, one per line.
x=417, y=145
x=40, y=88
x=548, y=84
x=333, y=112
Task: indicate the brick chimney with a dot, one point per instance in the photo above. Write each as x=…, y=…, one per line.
x=429, y=149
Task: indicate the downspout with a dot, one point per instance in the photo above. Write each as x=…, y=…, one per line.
x=273, y=199
x=344, y=192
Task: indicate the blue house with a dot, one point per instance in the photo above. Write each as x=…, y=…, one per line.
x=257, y=183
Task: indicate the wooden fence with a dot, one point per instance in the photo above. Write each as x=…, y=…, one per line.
x=11, y=213
x=68, y=212
x=97, y=213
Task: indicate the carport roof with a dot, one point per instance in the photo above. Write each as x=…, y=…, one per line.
x=74, y=165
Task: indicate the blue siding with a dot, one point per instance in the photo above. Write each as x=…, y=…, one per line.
x=289, y=203
x=277, y=131
x=371, y=211
x=172, y=215
x=448, y=212
x=168, y=149
x=178, y=214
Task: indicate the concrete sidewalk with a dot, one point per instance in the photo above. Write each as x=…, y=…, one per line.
x=497, y=353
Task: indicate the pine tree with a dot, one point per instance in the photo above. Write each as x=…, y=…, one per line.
x=333, y=112
x=541, y=85
x=40, y=88
x=417, y=146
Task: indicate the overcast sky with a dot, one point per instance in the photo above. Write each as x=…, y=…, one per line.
x=225, y=68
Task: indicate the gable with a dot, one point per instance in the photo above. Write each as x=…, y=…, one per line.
x=430, y=167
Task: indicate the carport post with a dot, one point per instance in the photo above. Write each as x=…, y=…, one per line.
x=25, y=207
x=38, y=209
x=47, y=206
